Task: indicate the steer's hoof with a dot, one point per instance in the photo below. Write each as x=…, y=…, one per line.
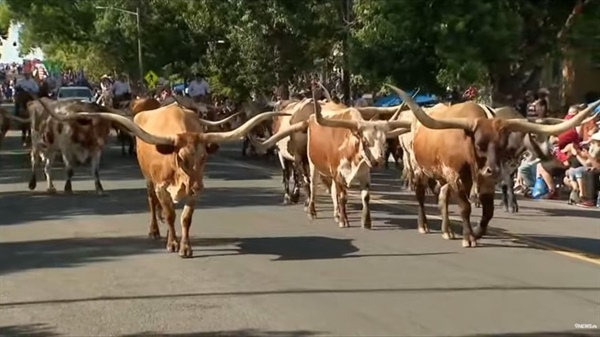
x=32, y=184
x=186, y=251
x=448, y=235
x=154, y=233
x=344, y=224
x=172, y=246
x=312, y=216
x=366, y=225
x=51, y=190
x=470, y=242
x=286, y=199
x=423, y=230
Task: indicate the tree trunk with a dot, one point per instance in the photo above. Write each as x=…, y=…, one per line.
x=283, y=91
x=568, y=70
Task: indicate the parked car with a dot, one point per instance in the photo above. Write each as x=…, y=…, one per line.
x=81, y=93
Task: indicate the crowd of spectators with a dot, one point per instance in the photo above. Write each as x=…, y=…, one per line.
x=574, y=165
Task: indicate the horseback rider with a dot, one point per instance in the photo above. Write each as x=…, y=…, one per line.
x=105, y=90
x=29, y=85
x=121, y=90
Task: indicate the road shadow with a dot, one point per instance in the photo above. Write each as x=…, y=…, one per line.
x=22, y=207
x=72, y=252
x=295, y=248
x=231, y=333
x=426, y=291
x=30, y=330
x=15, y=166
x=566, y=333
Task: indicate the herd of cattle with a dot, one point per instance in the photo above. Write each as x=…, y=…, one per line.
x=465, y=148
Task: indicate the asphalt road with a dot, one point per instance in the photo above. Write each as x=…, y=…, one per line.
x=82, y=265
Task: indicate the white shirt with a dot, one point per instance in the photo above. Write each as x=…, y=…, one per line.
x=119, y=88
x=105, y=85
x=29, y=85
x=198, y=88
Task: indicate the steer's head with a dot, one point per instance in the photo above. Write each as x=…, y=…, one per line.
x=494, y=139
x=368, y=136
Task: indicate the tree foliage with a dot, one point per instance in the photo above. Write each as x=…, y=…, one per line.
x=255, y=45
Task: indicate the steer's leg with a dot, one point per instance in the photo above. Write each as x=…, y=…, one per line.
x=35, y=160
x=312, y=191
x=303, y=168
x=464, y=203
x=447, y=232
x=68, y=173
x=296, y=189
x=168, y=210
x=510, y=201
x=95, y=166
x=420, y=189
x=365, y=196
x=185, y=249
x=336, y=204
x=343, y=200
x=154, y=231
x=48, y=159
x=286, y=168
x=486, y=196
x=487, y=213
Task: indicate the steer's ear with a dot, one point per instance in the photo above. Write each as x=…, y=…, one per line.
x=165, y=148
x=180, y=141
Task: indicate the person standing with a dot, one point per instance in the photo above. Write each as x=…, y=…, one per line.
x=199, y=90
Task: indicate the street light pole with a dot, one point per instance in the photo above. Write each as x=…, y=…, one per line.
x=139, y=41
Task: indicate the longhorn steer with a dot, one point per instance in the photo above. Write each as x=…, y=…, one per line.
x=77, y=141
x=460, y=147
x=342, y=147
x=172, y=150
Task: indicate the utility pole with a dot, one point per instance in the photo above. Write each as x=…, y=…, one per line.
x=139, y=42
x=346, y=21
x=139, y=32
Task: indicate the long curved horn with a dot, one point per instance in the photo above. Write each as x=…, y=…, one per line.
x=333, y=123
x=368, y=112
x=526, y=126
x=399, y=124
x=434, y=123
x=206, y=122
x=123, y=121
x=325, y=92
x=397, y=132
x=241, y=131
x=15, y=118
x=547, y=120
x=219, y=122
x=397, y=113
x=285, y=132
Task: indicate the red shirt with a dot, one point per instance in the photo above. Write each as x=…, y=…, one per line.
x=568, y=137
